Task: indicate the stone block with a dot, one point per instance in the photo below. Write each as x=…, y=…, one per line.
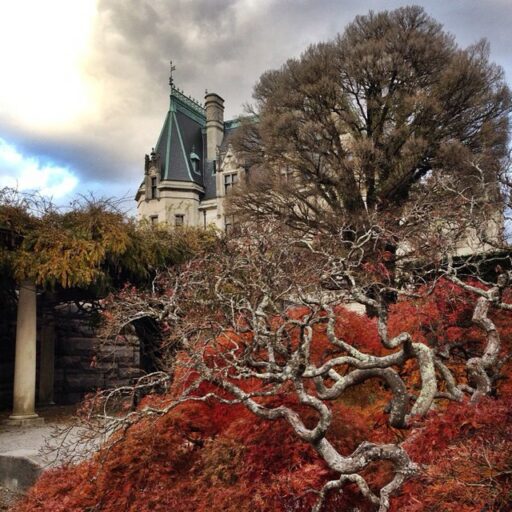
x=82, y=382
x=130, y=373
x=81, y=327
x=105, y=366
x=119, y=382
x=76, y=345
x=70, y=361
x=69, y=398
x=24, y=421
x=19, y=469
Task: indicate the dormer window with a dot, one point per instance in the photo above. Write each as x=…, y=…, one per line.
x=229, y=181
x=194, y=160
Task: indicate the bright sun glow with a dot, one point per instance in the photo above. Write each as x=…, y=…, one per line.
x=43, y=45
x=24, y=173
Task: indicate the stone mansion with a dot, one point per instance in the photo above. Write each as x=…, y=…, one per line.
x=192, y=166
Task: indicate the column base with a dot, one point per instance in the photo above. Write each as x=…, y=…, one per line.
x=23, y=420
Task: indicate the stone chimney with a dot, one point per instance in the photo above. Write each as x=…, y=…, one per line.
x=214, y=123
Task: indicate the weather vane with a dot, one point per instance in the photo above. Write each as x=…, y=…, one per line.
x=171, y=80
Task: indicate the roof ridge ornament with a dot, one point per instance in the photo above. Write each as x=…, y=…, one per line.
x=179, y=97
x=171, y=79
x=191, y=102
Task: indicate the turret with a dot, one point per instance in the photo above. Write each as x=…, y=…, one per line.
x=214, y=105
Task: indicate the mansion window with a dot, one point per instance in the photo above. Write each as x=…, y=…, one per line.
x=229, y=181
x=286, y=174
x=153, y=219
x=289, y=176
x=194, y=160
x=153, y=187
x=229, y=223
x=179, y=220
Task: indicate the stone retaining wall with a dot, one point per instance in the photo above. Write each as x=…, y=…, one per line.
x=83, y=363
x=7, y=346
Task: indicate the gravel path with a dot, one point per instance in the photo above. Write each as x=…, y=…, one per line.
x=35, y=438
x=7, y=498
x=32, y=438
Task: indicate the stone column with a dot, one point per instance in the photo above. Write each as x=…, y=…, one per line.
x=25, y=358
x=47, y=361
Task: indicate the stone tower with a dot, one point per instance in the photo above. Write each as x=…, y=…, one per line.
x=214, y=105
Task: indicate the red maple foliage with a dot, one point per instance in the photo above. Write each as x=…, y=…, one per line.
x=218, y=457
x=467, y=455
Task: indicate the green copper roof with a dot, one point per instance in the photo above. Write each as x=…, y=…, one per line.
x=188, y=105
x=180, y=137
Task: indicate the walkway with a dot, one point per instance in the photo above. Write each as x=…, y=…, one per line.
x=34, y=438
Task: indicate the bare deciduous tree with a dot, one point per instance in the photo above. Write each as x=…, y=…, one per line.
x=241, y=324
x=355, y=124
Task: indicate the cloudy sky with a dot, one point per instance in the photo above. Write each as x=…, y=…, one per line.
x=84, y=86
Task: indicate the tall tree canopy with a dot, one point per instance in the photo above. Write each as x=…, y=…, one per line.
x=352, y=125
